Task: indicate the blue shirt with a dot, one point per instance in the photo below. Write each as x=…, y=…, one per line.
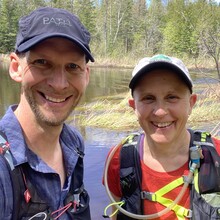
x=45, y=180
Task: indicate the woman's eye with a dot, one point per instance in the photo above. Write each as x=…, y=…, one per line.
x=172, y=98
x=148, y=99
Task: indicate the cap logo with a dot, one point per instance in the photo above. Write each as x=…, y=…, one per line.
x=57, y=21
x=160, y=57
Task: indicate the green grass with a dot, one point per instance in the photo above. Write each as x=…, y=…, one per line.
x=114, y=113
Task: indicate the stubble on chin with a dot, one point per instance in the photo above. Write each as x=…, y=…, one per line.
x=41, y=118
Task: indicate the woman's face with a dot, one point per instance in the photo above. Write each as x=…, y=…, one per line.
x=162, y=103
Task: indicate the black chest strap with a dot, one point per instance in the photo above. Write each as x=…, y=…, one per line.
x=130, y=175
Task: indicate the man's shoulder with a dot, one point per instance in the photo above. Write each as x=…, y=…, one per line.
x=9, y=117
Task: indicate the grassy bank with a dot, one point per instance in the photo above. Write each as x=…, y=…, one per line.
x=114, y=113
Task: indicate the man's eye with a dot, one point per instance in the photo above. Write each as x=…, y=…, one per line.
x=72, y=66
x=40, y=61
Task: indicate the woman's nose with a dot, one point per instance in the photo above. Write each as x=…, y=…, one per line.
x=160, y=109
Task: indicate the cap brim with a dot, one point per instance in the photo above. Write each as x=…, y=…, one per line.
x=157, y=65
x=35, y=40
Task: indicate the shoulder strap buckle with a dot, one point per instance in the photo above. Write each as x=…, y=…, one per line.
x=189, y=214
x=148, y=195
x=4, y=145
x=187, y=180
x=5, y=150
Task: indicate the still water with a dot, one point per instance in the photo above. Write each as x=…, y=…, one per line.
x=103, y=82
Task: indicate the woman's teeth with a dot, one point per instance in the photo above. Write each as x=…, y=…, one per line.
x=163, y=125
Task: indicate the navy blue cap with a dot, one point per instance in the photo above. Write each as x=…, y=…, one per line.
x=47, y=22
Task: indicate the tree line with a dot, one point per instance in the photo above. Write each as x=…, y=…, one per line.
x=132, y=28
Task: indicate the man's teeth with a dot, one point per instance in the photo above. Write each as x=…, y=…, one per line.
x=163, y=125
x=54, y=99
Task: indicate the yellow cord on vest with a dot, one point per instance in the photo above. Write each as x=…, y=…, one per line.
x=121, y=203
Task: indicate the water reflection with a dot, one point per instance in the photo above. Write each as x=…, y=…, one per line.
x=9, y=91
x=106, y=82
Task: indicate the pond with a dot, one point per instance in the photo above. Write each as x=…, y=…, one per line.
x=103, y=82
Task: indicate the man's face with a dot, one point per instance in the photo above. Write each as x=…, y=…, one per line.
x=54, y=77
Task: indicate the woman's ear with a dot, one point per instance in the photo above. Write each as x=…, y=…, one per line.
x=131, y=103
x=15, y=68
x=87, y=74
x=192, y=102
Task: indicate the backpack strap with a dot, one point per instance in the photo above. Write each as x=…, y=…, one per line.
x=210, y=164
x=19, y=187
x=14, y=173
x=130, y=174
x=78, y=196
x=4, y=150
x=158, y=196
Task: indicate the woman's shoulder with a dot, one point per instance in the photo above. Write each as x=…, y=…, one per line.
x=217, y=144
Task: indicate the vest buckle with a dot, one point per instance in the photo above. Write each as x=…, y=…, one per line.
x=189, y=215
x=148, y=195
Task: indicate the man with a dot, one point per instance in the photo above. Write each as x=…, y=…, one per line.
x=50, y=62
x=151, y=184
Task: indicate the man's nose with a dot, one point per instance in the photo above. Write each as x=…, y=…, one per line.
x=58, y=79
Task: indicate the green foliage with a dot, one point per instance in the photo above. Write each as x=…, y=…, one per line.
x=85, y=9
x=7, y=25
x=179, y=30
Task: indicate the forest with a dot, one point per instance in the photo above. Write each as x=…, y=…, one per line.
x=132, y=28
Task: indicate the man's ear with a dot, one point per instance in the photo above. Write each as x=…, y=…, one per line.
x=15, y=68
x=131, y=103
